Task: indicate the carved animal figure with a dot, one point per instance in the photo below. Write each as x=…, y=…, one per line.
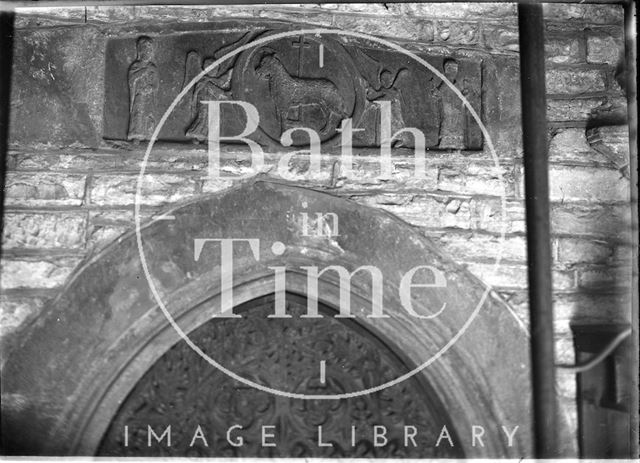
x=291, y=94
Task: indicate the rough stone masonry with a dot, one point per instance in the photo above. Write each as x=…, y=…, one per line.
x=72, y=173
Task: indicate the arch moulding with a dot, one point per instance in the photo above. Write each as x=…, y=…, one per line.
x=76, y=363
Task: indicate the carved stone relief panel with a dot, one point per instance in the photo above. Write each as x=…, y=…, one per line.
x=183, y=391
x=314, y=82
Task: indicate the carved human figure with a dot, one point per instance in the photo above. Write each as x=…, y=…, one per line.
x=452, y=126
x=472, y=132
x=143, y=87
x=432, y=109
x=390, y=91
x=211, y=87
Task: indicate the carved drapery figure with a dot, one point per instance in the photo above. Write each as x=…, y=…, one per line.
x=432, y=109
x=211, y=87
x=143, y=87
x=453, y=124
x=472, y=132
x=390, y=91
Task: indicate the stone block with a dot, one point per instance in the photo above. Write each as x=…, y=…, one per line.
x=43, y=16
x=605, y=276
x=36, y=272
x=44, y=189
x=588, y=13
x=575, y=109
x=387, y=26
x=564, y=50
x=25, y=230
x=16, y=310
x=515, y=276
x=476, y=179
x=576, y=251
x=420, y=210
x=506, y=11
x=489, y=216
x=468, y=246
x=604, y=49
x=593, y=307
x=605, y=221
x=587, y=184
x=102, y=235
x=576, y=80
x=497, y=37
x=570, y=145
x=56, y=95
x=119, y=190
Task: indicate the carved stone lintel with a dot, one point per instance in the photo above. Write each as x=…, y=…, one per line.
x=295, y=83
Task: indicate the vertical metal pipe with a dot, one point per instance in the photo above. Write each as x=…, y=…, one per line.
x=631, y=81
x=536, y=176
x=6, y=55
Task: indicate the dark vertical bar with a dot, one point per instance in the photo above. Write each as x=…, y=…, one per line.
x=632, y=112
x=534, y=128
x=6, y=55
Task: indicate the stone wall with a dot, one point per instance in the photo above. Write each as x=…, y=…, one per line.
x=69, y=193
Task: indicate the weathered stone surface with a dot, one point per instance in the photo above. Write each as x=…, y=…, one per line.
x=489, y=216
x=36, y=272
x=501, y=38
x=422, y=210
x=593, y=307
x=44, y=189
x=565, y=354
x=170, y=13
x=604, y=49
x=43, y=16
x=576, y=251
x=457, y=32
x=605, y=277
x=560, y=50
x=437, y=211
x=57, y=86
x=589, y=184
x=26, y=230
x=612, y=142
x=390, y=27
x=112, y=217
x=576, y=109
x=595, y=14
x=114, y=190
x=466, y=246
x=505, y=11
x=606, y=222
x=16, y=310
x=367, y=8
x=566, y=81
x=102, y=235
x=571, y=145
x=507, y=276
x=477, y=179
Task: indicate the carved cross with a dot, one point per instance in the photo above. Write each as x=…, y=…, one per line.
x=300, y=44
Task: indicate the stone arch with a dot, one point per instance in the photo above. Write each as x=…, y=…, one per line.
x=78, y=361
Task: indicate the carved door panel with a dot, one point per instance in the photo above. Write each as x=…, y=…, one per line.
x=211, y=414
